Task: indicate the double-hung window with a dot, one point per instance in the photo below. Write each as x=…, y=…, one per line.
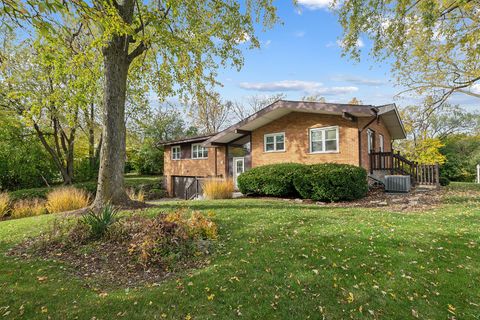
x=199, y=152
x=176, y=153
x=324, y=140
x=274, y=142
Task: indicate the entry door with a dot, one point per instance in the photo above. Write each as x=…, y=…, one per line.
x=238, y=169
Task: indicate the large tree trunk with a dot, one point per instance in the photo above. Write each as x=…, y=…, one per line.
x=110, y=187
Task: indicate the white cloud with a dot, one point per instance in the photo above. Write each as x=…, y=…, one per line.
x=315, y=4
x=309, y=87
x=267, y=43
x=475, y=88
x=359, y=80
x=359, y=43
x=244, y=38
x=299, y=34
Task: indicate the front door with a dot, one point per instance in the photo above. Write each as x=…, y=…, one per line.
x=238, y=169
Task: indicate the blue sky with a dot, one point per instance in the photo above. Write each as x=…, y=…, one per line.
x=302, y=56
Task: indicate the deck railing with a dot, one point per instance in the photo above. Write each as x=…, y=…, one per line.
x=395, y=163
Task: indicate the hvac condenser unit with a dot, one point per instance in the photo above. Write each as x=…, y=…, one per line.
x=397, y=183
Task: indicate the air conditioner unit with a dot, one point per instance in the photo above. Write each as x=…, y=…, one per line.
x=397, y=183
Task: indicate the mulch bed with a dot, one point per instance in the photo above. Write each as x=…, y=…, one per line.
x=104, y=265
x=415, y=201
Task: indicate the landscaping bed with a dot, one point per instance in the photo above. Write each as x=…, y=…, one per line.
x=135, y=249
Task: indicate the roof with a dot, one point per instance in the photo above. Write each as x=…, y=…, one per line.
x=187, y=140
x=278, y=109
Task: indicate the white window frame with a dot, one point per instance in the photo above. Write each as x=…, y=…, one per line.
x=324, y=142
x=174, y=153
x=381, y=142
x=370, y=142
x=199, y=145
x=274, y=135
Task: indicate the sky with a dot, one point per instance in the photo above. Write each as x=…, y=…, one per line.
x=302, y=56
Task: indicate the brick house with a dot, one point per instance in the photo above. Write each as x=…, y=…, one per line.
x=285, y=131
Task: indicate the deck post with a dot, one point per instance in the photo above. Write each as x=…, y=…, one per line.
x=437, y=175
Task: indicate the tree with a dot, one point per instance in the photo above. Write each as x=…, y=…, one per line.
x=313, y=98
x=354, y=100
x=462, y=152
x=186, y=41
x=209, y=113
x=433, y=44
x=252, y=104
x=45, y=84
x=426, y=132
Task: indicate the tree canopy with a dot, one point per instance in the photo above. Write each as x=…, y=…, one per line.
x=433, y=45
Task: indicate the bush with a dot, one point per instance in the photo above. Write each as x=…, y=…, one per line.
x=28, y=207
x=444, y=181
x=66, y=199
x=218, y=189
x=100, y=222
x=4, y=204
x=155, y=193
x=137, y=196
x=271, y=180
x=166, y=239
x=331, y=182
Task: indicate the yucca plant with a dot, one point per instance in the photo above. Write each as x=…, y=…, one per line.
x=101, y=221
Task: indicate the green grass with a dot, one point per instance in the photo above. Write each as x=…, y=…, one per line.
x=131, y=181
x=279, y=260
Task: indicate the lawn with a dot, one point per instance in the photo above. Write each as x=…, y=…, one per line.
x=279, y=260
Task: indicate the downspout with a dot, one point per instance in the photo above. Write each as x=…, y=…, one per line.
x=375, y=117
x=216, y=171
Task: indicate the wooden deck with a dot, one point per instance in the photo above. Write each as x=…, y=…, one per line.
x=394, y=163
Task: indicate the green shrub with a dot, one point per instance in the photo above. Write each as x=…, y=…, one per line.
x=331, y=182
x=271, y=180
x=101, y=221
x=444, y=181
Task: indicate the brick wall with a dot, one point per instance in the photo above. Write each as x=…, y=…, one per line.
x=192, y=167
x=296, y=126
x=379, y=128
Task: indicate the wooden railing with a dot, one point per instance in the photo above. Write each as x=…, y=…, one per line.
x=395, y=163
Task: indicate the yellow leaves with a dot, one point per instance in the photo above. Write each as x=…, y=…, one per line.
x=414, y=313
x=188, y=317
x=44, y=309
x=451, y=309
x=210, y=297
x=350, y=297
x=42, y=278
x=103, y=294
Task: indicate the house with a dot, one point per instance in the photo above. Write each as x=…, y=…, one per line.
x=286, y=131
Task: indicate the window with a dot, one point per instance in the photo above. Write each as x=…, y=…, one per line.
x=324, y=140
x=274, y=142
x=370, y=140
x=381, y=142
x=176, y=153
x=199, y=152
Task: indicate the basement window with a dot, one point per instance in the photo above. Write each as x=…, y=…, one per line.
x=199, y=152
x=324, y=140
x=274, y=142
x=176, y=153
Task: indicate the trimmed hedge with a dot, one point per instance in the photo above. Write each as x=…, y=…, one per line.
x=332, y=182
x=320, y=182
x=271, y=180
